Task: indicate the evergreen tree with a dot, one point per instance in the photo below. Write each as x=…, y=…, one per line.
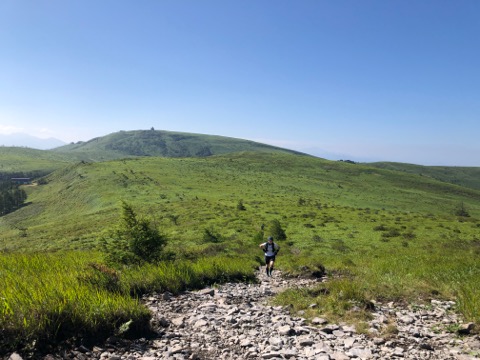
x=11, y=197
x=135, y=240
x=276, y=230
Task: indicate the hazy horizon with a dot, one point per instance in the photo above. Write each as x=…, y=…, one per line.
x=26, y=140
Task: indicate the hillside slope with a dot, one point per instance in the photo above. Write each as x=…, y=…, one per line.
x=14, y=160
x=189, y=195
x=124, y=144
x=140, y=143
x=162, y=143
x=463, y=176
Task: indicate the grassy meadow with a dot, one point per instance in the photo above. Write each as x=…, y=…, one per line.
x=381, y=235
x=458, y=175
x=15, y=160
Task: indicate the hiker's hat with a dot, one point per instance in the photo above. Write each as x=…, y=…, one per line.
x=270, y=238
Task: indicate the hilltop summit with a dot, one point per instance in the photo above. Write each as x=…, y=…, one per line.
x=165, y=144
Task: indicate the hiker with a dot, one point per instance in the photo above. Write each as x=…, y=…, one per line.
x=271, y=250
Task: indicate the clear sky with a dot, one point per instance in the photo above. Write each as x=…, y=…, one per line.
x=362, y=80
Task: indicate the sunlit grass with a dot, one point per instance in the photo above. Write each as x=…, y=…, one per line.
x=47, y=298
x=393, y=272
x=43, y=298
x=468, y=295
x=81, y=200
x=187, y=275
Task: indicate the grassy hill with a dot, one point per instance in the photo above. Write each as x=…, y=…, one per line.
x=161, y=143
x=141, y=143
x=15, y=160
x=125, y=144
x=83, y=198
x=462, y=176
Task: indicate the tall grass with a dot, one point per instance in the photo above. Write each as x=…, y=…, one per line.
x=43, y=299
x=184, y=275
x=47, y=298
x=468, y=300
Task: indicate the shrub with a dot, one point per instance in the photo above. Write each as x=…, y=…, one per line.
x=340, y=246
x=276, y=230
x=258, y=237
x=209, y=236
x=391, y=233
x=240, y=205
x=134, y=241
x=462, y=211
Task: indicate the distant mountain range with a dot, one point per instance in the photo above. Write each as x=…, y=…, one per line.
x=25, y=140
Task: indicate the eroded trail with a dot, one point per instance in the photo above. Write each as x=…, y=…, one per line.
x=234, y=321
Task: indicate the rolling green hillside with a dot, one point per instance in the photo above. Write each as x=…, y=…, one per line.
x=140, y=143
x=161, y=143
x=463, y=176
x=125, y=144
x=186, y=196
x=19, y=159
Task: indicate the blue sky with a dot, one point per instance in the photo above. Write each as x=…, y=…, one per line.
x=361, y=80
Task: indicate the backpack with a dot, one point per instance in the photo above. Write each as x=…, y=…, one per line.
x=274, y=248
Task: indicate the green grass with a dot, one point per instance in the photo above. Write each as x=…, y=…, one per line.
x=24, y=160
x=438, y=261
x=125, y=144
x=463, y=176
x=47, y=298
x=44, y=300
x=183, y=275
x=82, y=199
x=162, y=143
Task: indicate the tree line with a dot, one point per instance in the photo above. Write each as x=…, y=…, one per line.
x=11, y=197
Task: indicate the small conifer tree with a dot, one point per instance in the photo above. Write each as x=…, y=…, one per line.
x=135, y=240
x=462, y=211
x=276, y=230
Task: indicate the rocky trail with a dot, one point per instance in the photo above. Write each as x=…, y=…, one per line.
x=235, y=321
